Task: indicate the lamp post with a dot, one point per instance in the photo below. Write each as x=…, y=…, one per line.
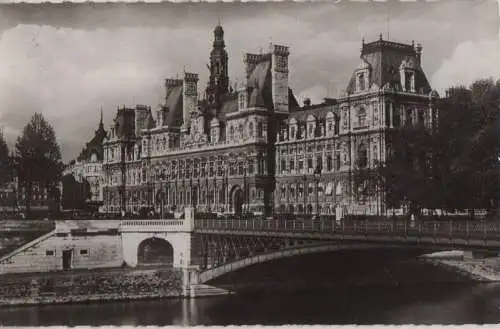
x=162, y=196
x=245, y=189
x=317, y=176
x=304, y=179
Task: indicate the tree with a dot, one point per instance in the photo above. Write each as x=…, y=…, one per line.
x=38, y=157
x=75, y=194
x=5, y=163
x=405, y=178
x=469, y=138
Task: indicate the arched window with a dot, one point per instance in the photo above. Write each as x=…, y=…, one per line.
x=259, y=129
x=250, y=129
x=240, y=130
x=362, y=156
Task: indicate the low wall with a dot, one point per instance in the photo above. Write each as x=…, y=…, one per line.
x=118, y=284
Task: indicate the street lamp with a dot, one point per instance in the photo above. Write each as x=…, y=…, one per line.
x=162, y=177
x=317, y=176
x=304, y=178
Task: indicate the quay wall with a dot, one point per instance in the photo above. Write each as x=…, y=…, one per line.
x=72, y=245
x=103, y=285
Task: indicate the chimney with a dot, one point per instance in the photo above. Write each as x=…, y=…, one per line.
x=190, y=97
x=307, y=102
x=280, y=77
x=418, y=51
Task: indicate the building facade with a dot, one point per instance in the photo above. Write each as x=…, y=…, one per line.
x=253, y=148
x=88, y=166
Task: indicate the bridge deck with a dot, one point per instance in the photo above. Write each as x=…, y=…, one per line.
x=471, y=233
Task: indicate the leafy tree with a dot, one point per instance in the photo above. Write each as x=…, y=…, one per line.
x=469, y=146
x=38, y=157
x=75, y=194
x=5, y=163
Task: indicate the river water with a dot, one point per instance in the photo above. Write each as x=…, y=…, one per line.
x=427, y=304
x=400, y=292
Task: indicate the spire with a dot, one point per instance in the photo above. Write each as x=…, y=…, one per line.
x=101, y=124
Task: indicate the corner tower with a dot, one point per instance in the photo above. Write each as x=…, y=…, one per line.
x=218, y=83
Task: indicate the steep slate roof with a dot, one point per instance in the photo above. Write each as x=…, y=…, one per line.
x=384, y=58
x=259, y=84
x=94, y=145
x=174, y=105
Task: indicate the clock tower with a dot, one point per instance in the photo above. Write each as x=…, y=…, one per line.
x=218, y=83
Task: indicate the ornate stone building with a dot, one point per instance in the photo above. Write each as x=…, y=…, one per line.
x=88, y=166
x=320, y=146
x=253, y=148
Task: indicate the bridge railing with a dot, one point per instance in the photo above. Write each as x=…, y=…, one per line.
x=147, y=225
x=427, y=228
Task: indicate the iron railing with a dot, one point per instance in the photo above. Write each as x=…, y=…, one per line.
x=466, y=229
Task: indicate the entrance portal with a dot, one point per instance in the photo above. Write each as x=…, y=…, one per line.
x=237, y=199
x=155, y=251
x=66, y=259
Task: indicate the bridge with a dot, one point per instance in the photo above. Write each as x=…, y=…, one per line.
x=211, y=247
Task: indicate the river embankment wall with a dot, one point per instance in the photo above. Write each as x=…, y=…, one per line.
x=86, y=286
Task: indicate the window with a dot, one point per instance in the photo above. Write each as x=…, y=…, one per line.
x=292, y=132
x=408, y=80
x=319, y=163
x=329, y=163
x=337, y=124
x=301, y=164
x=259, y=129
x=240, y=130
x=309, y=163
x=283, y=165
x=250, y=129
x=361, y=117
x=49, y=253
x=231, y=133
x=361, y=79
x=84, y=252
x=362, y=156
x=292, y=164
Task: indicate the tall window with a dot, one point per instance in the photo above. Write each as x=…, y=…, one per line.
x=408, y=79
x=362, y=156
x=361, y=116
x=329, y=163
x=250, y=129
x=361, y=79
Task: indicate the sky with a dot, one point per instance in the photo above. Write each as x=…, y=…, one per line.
x=68, y=61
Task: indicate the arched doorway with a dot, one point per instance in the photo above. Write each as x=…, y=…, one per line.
x=155, y=251
x=237, y=199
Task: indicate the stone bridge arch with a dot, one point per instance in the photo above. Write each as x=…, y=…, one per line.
x=178, y=256
x=155, y=251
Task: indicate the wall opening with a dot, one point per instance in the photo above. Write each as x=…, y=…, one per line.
x=155, y=251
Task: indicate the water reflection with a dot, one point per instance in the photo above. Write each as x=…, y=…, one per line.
x=425, y=304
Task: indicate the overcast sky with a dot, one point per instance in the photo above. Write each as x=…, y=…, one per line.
x=67, y=61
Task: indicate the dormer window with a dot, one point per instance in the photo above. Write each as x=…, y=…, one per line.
x=409, y=81
x=361, y=79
